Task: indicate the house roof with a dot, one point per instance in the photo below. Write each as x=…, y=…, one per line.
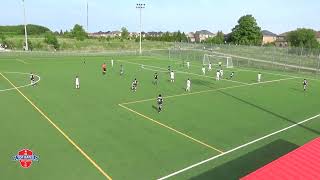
x=302, y=163
x=268, y=33
x=206, y=32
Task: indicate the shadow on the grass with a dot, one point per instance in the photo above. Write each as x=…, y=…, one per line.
x=249, y=162
x=203, y=83
x=270, y=112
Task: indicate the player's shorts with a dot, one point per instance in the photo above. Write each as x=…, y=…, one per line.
x=104, y=69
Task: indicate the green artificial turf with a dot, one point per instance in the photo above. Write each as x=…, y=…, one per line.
x=134, y=141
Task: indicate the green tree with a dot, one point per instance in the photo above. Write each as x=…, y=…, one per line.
x=218, y=39
x=124, y=33
x=79, y=33
x=247, y=31
x=303, y=37
x=51, y=38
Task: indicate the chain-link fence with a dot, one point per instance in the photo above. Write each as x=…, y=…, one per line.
x=289, y=59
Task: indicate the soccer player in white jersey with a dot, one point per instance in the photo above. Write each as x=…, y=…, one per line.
x=188, y=85
x=259, y=77
x=77, y=81
x=203, y=70
x=188, y=64
x=218, y=75
x=171, y=76
x=209, y=66
x=111, y=62
x=221, y=73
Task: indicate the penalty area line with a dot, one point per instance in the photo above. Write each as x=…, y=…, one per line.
x=237, y=148
x=211, y=90
x=60, y=131
x=172, y=129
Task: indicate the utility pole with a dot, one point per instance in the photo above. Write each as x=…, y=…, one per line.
x=140, y=7
x=87, y=17
x=25, y=27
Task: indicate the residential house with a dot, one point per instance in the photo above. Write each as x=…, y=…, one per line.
x=268, y=37
x=191, y=37
x=282, y=40
x=203, y=35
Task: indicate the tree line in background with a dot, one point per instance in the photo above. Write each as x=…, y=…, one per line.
x=246, y=32
x=168, y=37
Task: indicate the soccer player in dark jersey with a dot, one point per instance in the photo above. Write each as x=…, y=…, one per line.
x=231, y=75
x=160, y=102
x=134, y=85
x=104, y=68
x=32, y=79
x=121, y=70
x=155, y=81
x=305, y=84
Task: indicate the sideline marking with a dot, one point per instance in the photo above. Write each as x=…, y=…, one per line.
x=63, y=133
x=211, y=90
x=172, y=129
x=8, y=89
x=239, y=147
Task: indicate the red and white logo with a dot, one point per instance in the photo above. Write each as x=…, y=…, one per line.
x=25, y=157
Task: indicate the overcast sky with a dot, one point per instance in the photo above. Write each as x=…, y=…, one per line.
x=164, y=15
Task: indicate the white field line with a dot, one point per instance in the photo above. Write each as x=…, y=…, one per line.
x=18, y=87
x=183, y=72
x=239, y=147
x=210, y=90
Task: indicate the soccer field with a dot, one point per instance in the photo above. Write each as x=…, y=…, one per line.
x=220, y=130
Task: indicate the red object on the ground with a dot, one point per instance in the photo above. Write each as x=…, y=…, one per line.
x=302, y=163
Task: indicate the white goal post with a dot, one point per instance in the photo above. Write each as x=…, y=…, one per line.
x=225, y=61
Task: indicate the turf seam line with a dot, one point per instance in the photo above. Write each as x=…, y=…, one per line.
x=62, y=132
x=178, y=71
x=22, y=61
x=211, y=90
x=239, y=147
x=172, y=129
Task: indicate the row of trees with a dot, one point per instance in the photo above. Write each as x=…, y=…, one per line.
x=169, y=37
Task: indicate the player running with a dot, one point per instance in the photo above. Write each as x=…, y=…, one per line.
x=259, y=77
x=172, y=76
x=203, y=70
x=188, y=85
x=155, y=81
x=159, y=102
x=134, y=85
x=305, y=84
x=218, y=75
x=32, y=79
x=104, y=68
x=77, y=81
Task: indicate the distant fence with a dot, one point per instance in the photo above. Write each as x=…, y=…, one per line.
x=297, y=60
